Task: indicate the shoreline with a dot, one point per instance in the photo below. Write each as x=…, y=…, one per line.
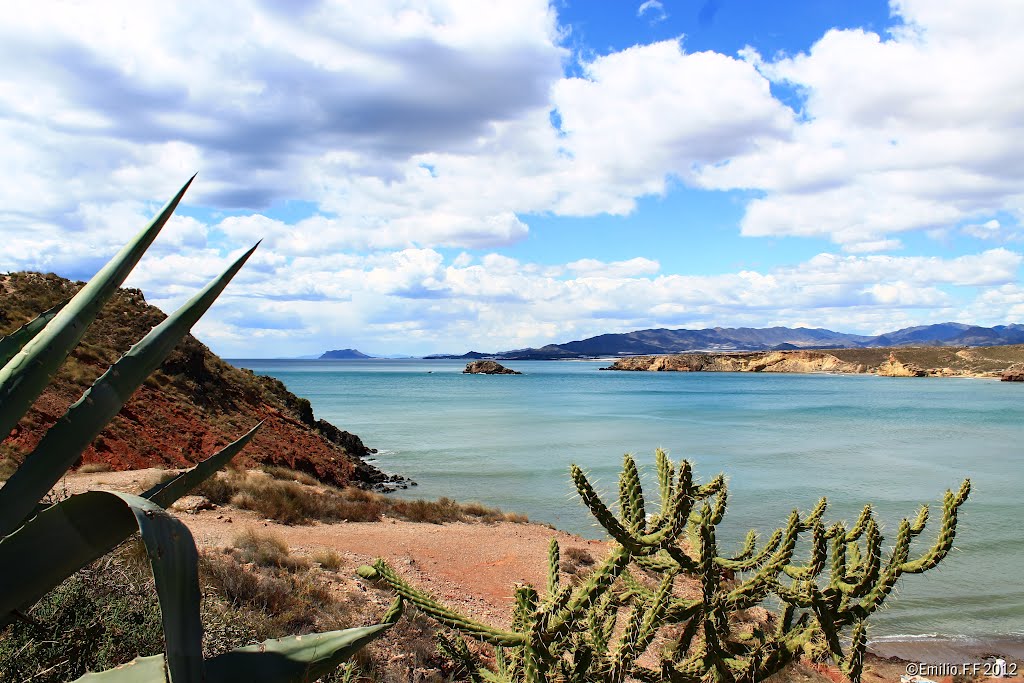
x=948, y=649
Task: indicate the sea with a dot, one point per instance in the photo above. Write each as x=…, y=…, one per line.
x=783, y=441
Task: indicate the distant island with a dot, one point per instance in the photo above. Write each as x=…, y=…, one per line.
x=725, y=339
x=343, y=354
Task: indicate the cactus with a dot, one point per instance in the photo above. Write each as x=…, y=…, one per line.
x=41, y=545
x=570, y=634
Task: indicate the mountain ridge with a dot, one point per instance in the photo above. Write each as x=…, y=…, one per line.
x=778, y=338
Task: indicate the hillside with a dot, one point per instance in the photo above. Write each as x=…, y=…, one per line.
x=192, y=405
x=725, y=339
x=937, y=361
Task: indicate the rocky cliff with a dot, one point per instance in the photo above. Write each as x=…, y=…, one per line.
x=192, y=405
x=775, y=361
x=903, y=362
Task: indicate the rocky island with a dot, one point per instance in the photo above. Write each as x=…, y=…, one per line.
x=488, y=367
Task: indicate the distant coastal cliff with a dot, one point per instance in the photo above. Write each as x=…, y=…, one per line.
x=992, y=362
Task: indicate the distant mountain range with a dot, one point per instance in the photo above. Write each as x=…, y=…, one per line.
x=720, y=339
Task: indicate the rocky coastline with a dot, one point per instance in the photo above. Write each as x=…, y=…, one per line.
x=991, y=363
x=192, y=405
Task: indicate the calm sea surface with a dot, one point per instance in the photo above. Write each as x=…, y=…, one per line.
x=783, y=441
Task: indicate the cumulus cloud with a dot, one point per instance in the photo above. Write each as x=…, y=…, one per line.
x=416, y=300
x=911, y=131
x=411, y=128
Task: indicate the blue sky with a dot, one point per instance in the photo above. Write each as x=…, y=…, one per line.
x=439, y=176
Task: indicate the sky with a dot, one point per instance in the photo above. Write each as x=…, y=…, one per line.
x=439, y=176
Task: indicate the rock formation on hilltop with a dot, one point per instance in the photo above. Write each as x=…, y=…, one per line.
x=192, y=405
x=487, y=367
x=896, y=368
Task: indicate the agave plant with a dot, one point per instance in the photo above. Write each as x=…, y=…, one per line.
x=41, y=545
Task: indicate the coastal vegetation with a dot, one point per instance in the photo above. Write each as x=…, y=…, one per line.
x=295, y=498
x=598, y=629
x=43, y=542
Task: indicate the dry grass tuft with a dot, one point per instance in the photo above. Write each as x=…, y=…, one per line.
x=267, y=550
x=328, y=559
x=291, y=502
x=7, y=468
x=286, y=474
x=576, y=561
x=94, y=467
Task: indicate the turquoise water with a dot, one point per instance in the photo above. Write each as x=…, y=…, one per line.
x=782, y=441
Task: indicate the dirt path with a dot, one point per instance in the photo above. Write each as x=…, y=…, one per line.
x=472, y=566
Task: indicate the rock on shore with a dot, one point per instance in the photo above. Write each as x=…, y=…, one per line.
x=487, y=367
x=1014, y=373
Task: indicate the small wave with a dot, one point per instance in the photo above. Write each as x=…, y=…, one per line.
x=916, y=637
x=939, y=638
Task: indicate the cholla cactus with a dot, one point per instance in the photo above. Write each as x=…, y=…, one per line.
x=575, y=635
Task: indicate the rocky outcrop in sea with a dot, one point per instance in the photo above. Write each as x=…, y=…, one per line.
x=488, y=367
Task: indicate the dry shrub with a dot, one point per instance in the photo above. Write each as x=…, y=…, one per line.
x=328, y=559
x=272, y=602
x=94, y=467
x=266, y=550
x=286, y=474
x=7, y=468
x=576, y=560
x=158, y=477
x=291, y=502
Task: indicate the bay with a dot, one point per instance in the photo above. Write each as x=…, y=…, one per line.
x=782, y=440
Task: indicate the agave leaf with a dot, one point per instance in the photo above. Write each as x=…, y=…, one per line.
x=166, y=493
x=32, y=559
x=25, y=376
x=46, y=564
x=15, y=341
x=87, y=417
x=297, y=659
x=140, y=670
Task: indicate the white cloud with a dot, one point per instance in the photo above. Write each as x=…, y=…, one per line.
x=408, y=127
x=416, y=301
x=632, y=267
x=916, y=131
x=654, y=8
